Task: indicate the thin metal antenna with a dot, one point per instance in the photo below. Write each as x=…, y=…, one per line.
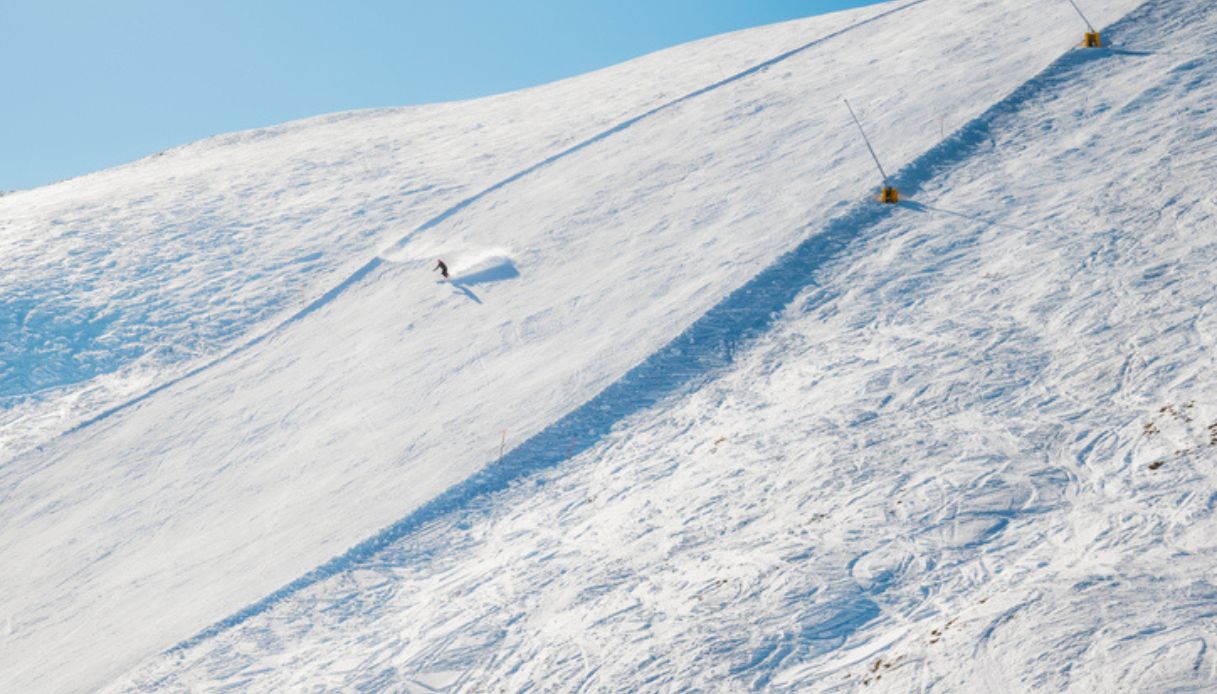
x=1088, y=24
x=867, y=141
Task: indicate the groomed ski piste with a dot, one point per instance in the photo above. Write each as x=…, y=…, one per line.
x=694, y=412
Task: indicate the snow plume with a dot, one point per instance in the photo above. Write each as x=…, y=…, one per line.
x=471, y=265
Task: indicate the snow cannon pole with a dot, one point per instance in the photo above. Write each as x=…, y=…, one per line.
x=889, y=196
x=1092, y=39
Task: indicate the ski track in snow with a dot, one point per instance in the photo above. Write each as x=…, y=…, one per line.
x=677, y=519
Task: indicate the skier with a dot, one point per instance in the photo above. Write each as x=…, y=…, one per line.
x=443, y=269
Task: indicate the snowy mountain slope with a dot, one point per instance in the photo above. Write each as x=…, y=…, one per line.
x=131, y=276
x=976, y=454
x=232, y=483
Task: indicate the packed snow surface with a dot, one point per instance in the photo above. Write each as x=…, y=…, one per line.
x=693, y=413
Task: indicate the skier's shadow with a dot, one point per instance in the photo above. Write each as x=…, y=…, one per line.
x=466, y=291
x=498, y=273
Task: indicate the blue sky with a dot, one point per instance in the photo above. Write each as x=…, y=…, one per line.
x=90, y=84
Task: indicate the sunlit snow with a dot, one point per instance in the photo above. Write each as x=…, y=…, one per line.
x=693, y=413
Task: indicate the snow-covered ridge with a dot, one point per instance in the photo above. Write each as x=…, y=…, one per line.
x=368, y=403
